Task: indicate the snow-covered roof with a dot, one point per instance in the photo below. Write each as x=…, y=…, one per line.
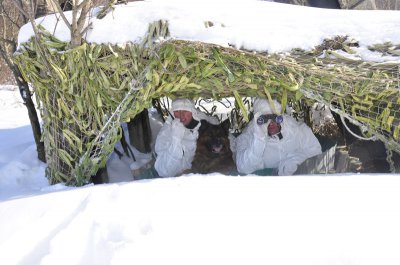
x=251, y=25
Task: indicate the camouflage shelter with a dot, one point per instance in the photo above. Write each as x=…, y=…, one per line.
x=85, y=93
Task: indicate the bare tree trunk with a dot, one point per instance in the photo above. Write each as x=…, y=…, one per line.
x=33, y=117
x=80, y=15
x=8, y=45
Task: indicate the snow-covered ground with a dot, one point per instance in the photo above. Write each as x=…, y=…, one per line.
x=202, y=219
x=194, y=219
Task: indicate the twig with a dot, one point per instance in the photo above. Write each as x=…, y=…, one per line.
x=61, y=12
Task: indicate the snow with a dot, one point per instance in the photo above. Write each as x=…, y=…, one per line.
x=252, y=25
x=201, y=219
x=209, y=220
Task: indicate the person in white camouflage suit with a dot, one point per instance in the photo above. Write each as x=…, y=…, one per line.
x=274, y=141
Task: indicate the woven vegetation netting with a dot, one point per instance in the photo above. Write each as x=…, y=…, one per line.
x=85, y=93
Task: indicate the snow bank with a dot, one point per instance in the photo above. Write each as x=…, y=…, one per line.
x=251, y=25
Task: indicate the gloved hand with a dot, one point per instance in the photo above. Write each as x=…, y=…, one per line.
x=260, y=130
x=287, y=168
x=177, y=129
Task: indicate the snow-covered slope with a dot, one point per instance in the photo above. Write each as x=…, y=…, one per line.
x=252, y=25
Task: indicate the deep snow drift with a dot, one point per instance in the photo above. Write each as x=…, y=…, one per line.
x=195, y=219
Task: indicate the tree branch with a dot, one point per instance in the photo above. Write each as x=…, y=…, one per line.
x=74, y=15
x=33, y=8
x=25, y=17
x=83, y=15
x=20, y=8
x=81, y=4
x=8, y=16
x=7, y=41
x=61, y=12
x=78, y=23
x=6, y=58
x=104, y=11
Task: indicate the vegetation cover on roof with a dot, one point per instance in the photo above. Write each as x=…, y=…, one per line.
x=85, y=93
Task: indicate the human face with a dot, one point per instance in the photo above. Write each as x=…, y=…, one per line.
x=184, y=116
x=273, y=128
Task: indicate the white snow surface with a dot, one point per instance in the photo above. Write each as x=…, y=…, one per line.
x=193, y=219
x=252, y=25
x=200, y=219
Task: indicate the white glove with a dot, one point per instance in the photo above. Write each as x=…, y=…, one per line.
x=287, y=168
x=260, y=130
x=177, y=129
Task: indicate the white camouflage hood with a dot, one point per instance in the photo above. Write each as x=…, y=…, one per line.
x=188, y=105
x=262, y=105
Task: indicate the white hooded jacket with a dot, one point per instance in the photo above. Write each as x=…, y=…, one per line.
x=175, y=144
x=256, y=151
